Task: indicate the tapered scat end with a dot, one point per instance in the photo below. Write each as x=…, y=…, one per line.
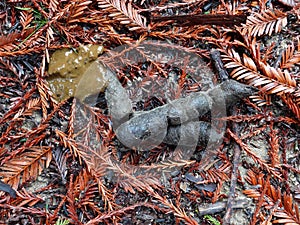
x=230, y=91
x=238, y=89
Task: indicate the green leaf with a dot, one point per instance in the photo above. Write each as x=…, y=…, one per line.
x=62, y=222
x=211, y=219
x=23, y=9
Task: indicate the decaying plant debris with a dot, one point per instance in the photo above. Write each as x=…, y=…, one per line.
x=66, y=170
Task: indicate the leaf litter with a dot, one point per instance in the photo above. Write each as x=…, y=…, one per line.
x=87, y=195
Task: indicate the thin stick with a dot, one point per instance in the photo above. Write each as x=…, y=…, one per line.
x=218, y=207
x=233, y=181
x=218, y=64
x=204, y=19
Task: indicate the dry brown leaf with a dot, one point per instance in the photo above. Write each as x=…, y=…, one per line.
x=26, y=166
x=264, y=23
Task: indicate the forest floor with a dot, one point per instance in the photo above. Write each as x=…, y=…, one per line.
x=63, y=156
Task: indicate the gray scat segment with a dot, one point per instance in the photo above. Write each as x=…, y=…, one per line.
x=188, y=108
x=151, y=126
x=199, y=103
x=118, y=101
x=186, y=134
x=144, y=130
x=232, y=91
x=190, y=133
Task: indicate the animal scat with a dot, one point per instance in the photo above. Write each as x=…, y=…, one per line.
x=118, y=101
x=67, y=67
x=71, y=63
x=147, y=129
x=78, y=74
x=191, y=107
x=93, y=81
x=231, y=91
x=152, y=126
x=98, y=78
x=192, y=134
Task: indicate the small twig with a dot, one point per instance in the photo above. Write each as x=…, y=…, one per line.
x=233, y=181
x=220, y=206
x=204, y=19
x=218, y=64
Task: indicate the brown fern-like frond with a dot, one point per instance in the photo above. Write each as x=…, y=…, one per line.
x=71, y=202
x=53, y=6
x=292, y=101
x=274, y=146
x=71, y=144
x=60, y=157
x=17, y=105
x=45, y=94
x=180, y=33
x=26, y=18
x=289, y=57
x=85, y=190
x=175, y=6
x=178, y=212
x=285, y=83
x=264, y=23
x=290, y=3
x=297, y=97
x=96, y=162
x=169, y=164
x=26, y=166
x=31, y=105
x=255, y=158
x=261, y=99
x=77, y=9
x=268, y=79
x=286, y=211
x=214, y=175
x=289, y=213
x=107, y=215
x=8, y=39
x=26, y=198
x=106, y=195
x=285, y=219
x=272, y=81
x=131, y=178
x=124, y=12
